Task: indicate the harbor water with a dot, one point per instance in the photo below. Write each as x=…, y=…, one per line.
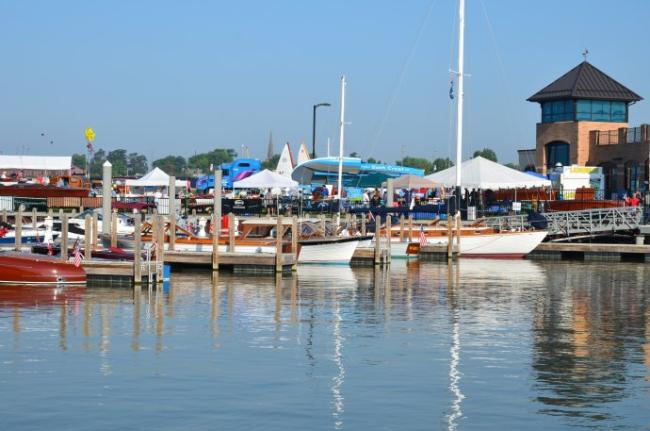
x=475, y=345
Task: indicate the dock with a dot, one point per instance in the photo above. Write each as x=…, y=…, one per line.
x=591, y=252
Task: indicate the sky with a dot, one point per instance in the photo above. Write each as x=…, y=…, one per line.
x=169, y=77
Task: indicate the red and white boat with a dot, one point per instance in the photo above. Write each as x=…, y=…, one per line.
x=25, y=268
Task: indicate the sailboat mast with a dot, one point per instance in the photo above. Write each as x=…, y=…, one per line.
x=341, y=141
x=461, y=96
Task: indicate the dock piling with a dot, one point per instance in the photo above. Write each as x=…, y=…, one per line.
x=377, y=241
x=64, y=237
x=231, y=232
x=279, y=231
x=87, y=235
x=19, y=228
x=295, y=233
x=113, y=219
x=172, y=212
x=137, y=252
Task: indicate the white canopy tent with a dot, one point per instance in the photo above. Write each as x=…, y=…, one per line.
x=36, y=164
x=481, y=173
x=154, y=178
x=266, y=180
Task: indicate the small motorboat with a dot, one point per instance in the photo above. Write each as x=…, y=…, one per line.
x=26, y=268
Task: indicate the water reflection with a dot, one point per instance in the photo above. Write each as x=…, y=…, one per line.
x=569, y=343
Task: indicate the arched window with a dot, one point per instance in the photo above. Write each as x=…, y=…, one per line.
x=557, y=152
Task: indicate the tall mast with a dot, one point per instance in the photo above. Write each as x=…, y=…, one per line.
x=341, y=141
x=461, y=96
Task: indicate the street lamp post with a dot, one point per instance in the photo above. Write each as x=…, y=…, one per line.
x=313, y=130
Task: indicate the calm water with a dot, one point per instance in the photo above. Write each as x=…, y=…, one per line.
x=479, y=345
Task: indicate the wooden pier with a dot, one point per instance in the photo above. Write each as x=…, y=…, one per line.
x=592, y=252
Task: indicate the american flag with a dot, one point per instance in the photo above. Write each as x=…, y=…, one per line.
x=370, y=216
x=423, y=238
x=50, y=251
x=77, y=253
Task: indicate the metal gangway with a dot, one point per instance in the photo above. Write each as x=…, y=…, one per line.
x=575, y=224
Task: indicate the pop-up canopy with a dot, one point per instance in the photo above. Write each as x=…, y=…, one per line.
x=265, y=180
x=480, y=173
x=412, y=182
x=155, y=178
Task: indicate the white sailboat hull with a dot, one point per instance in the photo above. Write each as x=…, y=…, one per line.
x=495, y=245
x=339, y=252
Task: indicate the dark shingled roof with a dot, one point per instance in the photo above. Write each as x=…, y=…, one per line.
x=585, y=82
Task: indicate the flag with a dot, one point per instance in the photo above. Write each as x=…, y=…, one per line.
x=370, y=216
x=423, y=238
x=451, y=89
x=77, y=253
x=50, y=252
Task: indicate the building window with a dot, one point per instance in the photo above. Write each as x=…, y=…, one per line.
x=557, y=152
x=601, y=110
x=558, y=110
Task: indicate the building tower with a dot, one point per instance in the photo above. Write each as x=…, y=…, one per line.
x=580, y=108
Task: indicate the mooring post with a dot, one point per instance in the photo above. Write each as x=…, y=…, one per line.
x=64, y=237
x=363, y=225
x=95, y=236
x=389, y=234
x=231, y=232
x=4, y=216
x=113, y=216
x=19, y=228
x=34, y=218
x=377, y=240
x=410, y=227
x=107, y=196
x=87, y=236
x=279, y=231
x=450, y=238
x=160, y=253
x=216, y=219
x=171, y=192
x=137, y=256
x=322, y=225
x=295, y=234
x=401, y=228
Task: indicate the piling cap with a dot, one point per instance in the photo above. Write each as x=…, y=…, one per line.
x=107, y=164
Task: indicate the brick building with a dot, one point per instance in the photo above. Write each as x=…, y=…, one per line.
x=585, y=122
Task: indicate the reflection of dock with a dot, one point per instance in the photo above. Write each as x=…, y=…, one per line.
x=566, y=251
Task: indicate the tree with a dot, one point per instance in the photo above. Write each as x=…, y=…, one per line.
x=172, y=165
x=201, y=162
x=79, y=160
x=486, y=153
x=271, y=163
x=372, y=160
x=137, y=164
x=417, y=162
x=440, y=164
x=354, y=154
x=96, y=163
x=119, y=162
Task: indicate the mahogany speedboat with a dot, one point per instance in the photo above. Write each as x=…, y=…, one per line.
x=24, y=268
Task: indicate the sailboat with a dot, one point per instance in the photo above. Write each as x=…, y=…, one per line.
x=473, y=241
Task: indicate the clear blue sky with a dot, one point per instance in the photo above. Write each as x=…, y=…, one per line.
x=170, y=77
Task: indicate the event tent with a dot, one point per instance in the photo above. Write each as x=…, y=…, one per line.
x=265, y=180
x=481, y=173
x=155, y=178
x=412, y=182
x=36, y=164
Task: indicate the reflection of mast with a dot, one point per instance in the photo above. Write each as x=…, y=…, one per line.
x=454, y=351
x=337, y=381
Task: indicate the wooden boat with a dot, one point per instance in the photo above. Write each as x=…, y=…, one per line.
x=25, y=268
x=110, y=253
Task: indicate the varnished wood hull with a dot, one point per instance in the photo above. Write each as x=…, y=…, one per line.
x=24, y=268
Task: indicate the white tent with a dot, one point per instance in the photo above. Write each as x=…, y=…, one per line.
x=264, y=180
x=36, y=163
x=155, y=178
x=480, y=173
